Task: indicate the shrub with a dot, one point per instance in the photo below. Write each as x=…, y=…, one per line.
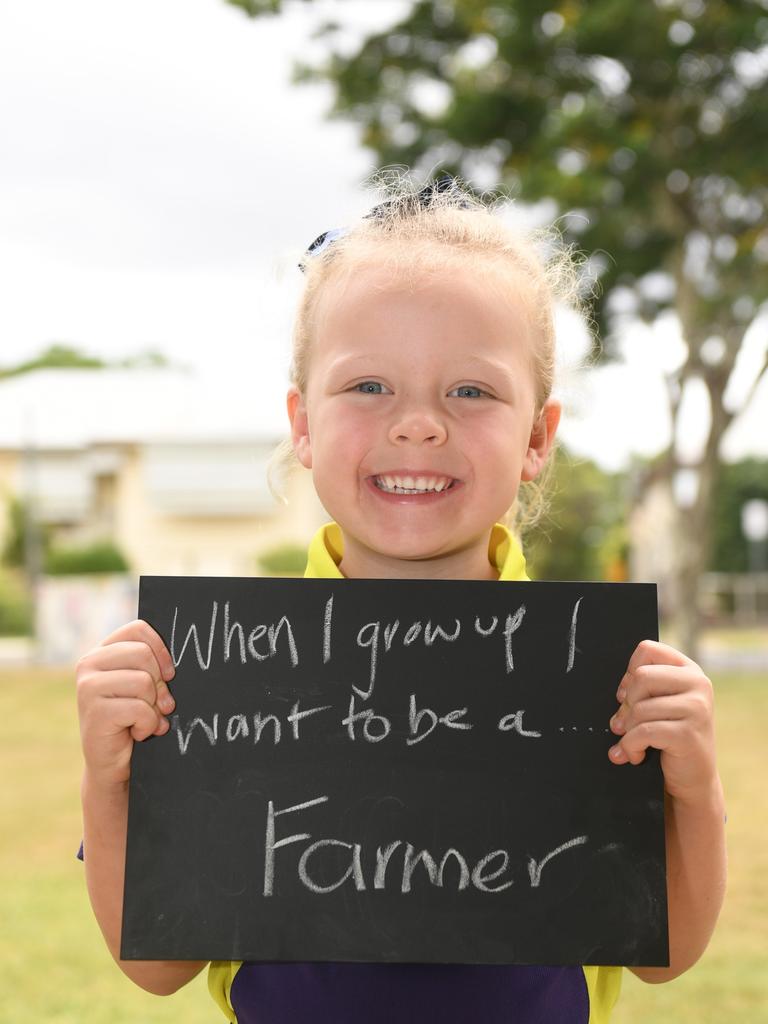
x=101, y=557
x=15, y=606
x=284, y=560
x=16, y=538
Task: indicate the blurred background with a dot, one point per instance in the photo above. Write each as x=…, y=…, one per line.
x=162, y=169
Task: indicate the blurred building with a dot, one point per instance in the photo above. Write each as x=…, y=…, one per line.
x=171, y=471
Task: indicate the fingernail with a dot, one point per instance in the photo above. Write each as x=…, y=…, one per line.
x=167, y=703
x=621, y=695
x=617, y=723
x=617, y=754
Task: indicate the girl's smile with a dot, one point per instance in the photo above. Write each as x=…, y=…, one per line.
x=419, y=420
x=413, y=484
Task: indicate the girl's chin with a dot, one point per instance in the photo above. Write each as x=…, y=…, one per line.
x=432, y=553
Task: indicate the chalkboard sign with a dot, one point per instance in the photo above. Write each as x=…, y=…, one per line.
x=381, y=770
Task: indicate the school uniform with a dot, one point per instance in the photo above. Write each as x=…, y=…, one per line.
x=353, y=993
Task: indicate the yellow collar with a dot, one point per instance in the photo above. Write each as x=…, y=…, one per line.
x=327, y=547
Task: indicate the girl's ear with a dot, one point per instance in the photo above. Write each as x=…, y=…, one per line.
x=297, y=414
x=541, y=439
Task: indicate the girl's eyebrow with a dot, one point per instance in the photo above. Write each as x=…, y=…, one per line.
x=483, y=363
x=348, y=363
x=343, y=360
x=482, y=369
x=474, y=362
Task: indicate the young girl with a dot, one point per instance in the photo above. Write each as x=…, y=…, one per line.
x=421, y=398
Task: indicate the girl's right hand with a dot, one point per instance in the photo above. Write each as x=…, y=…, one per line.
x=122, y=696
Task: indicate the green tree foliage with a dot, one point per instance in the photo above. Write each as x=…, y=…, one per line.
x=14, y=547
x=583, y=535
x=646, y=123
x=67, y=357
x=253, y=8
x=738, y=484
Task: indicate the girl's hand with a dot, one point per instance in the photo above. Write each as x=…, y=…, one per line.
x=666, y=703
x=122, y=696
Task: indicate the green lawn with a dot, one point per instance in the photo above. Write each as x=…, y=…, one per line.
x=55, y=967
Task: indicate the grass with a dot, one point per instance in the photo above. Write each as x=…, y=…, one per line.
x=730, y=982
x=751, y=638
x=55, y=967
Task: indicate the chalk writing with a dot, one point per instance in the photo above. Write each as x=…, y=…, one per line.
x=449, y=720
x=368, y=638
x=272, y=631
x=432, y=872
x=572, y=636
x=415, y=771
x=265, y=640
x=511, y=626
x=513, y=722
x=241, y=726
x=535, y=868
x=204, y=663
x=327, y=619
x=482, y=630
x=375, y=727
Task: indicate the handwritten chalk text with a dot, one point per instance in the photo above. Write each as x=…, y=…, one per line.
x=398, y=864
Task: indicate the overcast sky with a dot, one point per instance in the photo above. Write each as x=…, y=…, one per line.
x=160, y=177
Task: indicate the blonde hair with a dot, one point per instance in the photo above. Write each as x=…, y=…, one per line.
x=412, y=237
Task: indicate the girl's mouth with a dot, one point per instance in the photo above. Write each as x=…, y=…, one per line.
x=421, y=484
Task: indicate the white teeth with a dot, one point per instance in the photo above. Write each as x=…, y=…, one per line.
x=409, y=485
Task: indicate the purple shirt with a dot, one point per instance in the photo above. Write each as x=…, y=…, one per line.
x=344, y=993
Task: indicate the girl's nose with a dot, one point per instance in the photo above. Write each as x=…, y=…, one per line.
x=418, y=426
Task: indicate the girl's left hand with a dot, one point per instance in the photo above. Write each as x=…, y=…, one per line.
x=666, y=703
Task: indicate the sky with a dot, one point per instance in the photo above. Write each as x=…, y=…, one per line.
x=160, y=177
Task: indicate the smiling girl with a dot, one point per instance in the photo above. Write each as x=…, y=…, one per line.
x=421, y=400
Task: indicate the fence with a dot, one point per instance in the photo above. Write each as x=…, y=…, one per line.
x=739, y=599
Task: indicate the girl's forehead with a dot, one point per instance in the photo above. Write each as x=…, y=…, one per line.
x=379, y=311
x=490, y=289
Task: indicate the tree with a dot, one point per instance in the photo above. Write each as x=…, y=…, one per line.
x=738, y=484
x=584, y=534
x=67, y=357
x=647, y=123
x=15, y=547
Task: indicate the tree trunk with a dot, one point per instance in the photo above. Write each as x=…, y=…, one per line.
x=694, y=524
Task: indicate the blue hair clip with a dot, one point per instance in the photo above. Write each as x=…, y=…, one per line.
x=322, y=242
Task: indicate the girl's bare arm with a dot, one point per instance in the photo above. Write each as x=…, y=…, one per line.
x=667, y=704
x=122, y=697
x=696, y=874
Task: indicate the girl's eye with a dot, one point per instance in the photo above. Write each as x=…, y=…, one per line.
x=369, y=387
x=467, y=391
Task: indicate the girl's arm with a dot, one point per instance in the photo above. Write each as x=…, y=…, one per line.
x=122, y=694
x=667, y=703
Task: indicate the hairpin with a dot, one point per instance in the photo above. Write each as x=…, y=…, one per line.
x=422, y=200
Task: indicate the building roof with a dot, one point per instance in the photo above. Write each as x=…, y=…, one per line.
x=67, y=409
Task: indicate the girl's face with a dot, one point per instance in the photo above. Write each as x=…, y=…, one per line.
x=418, y=421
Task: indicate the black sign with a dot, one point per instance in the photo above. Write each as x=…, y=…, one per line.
x=385, y=770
